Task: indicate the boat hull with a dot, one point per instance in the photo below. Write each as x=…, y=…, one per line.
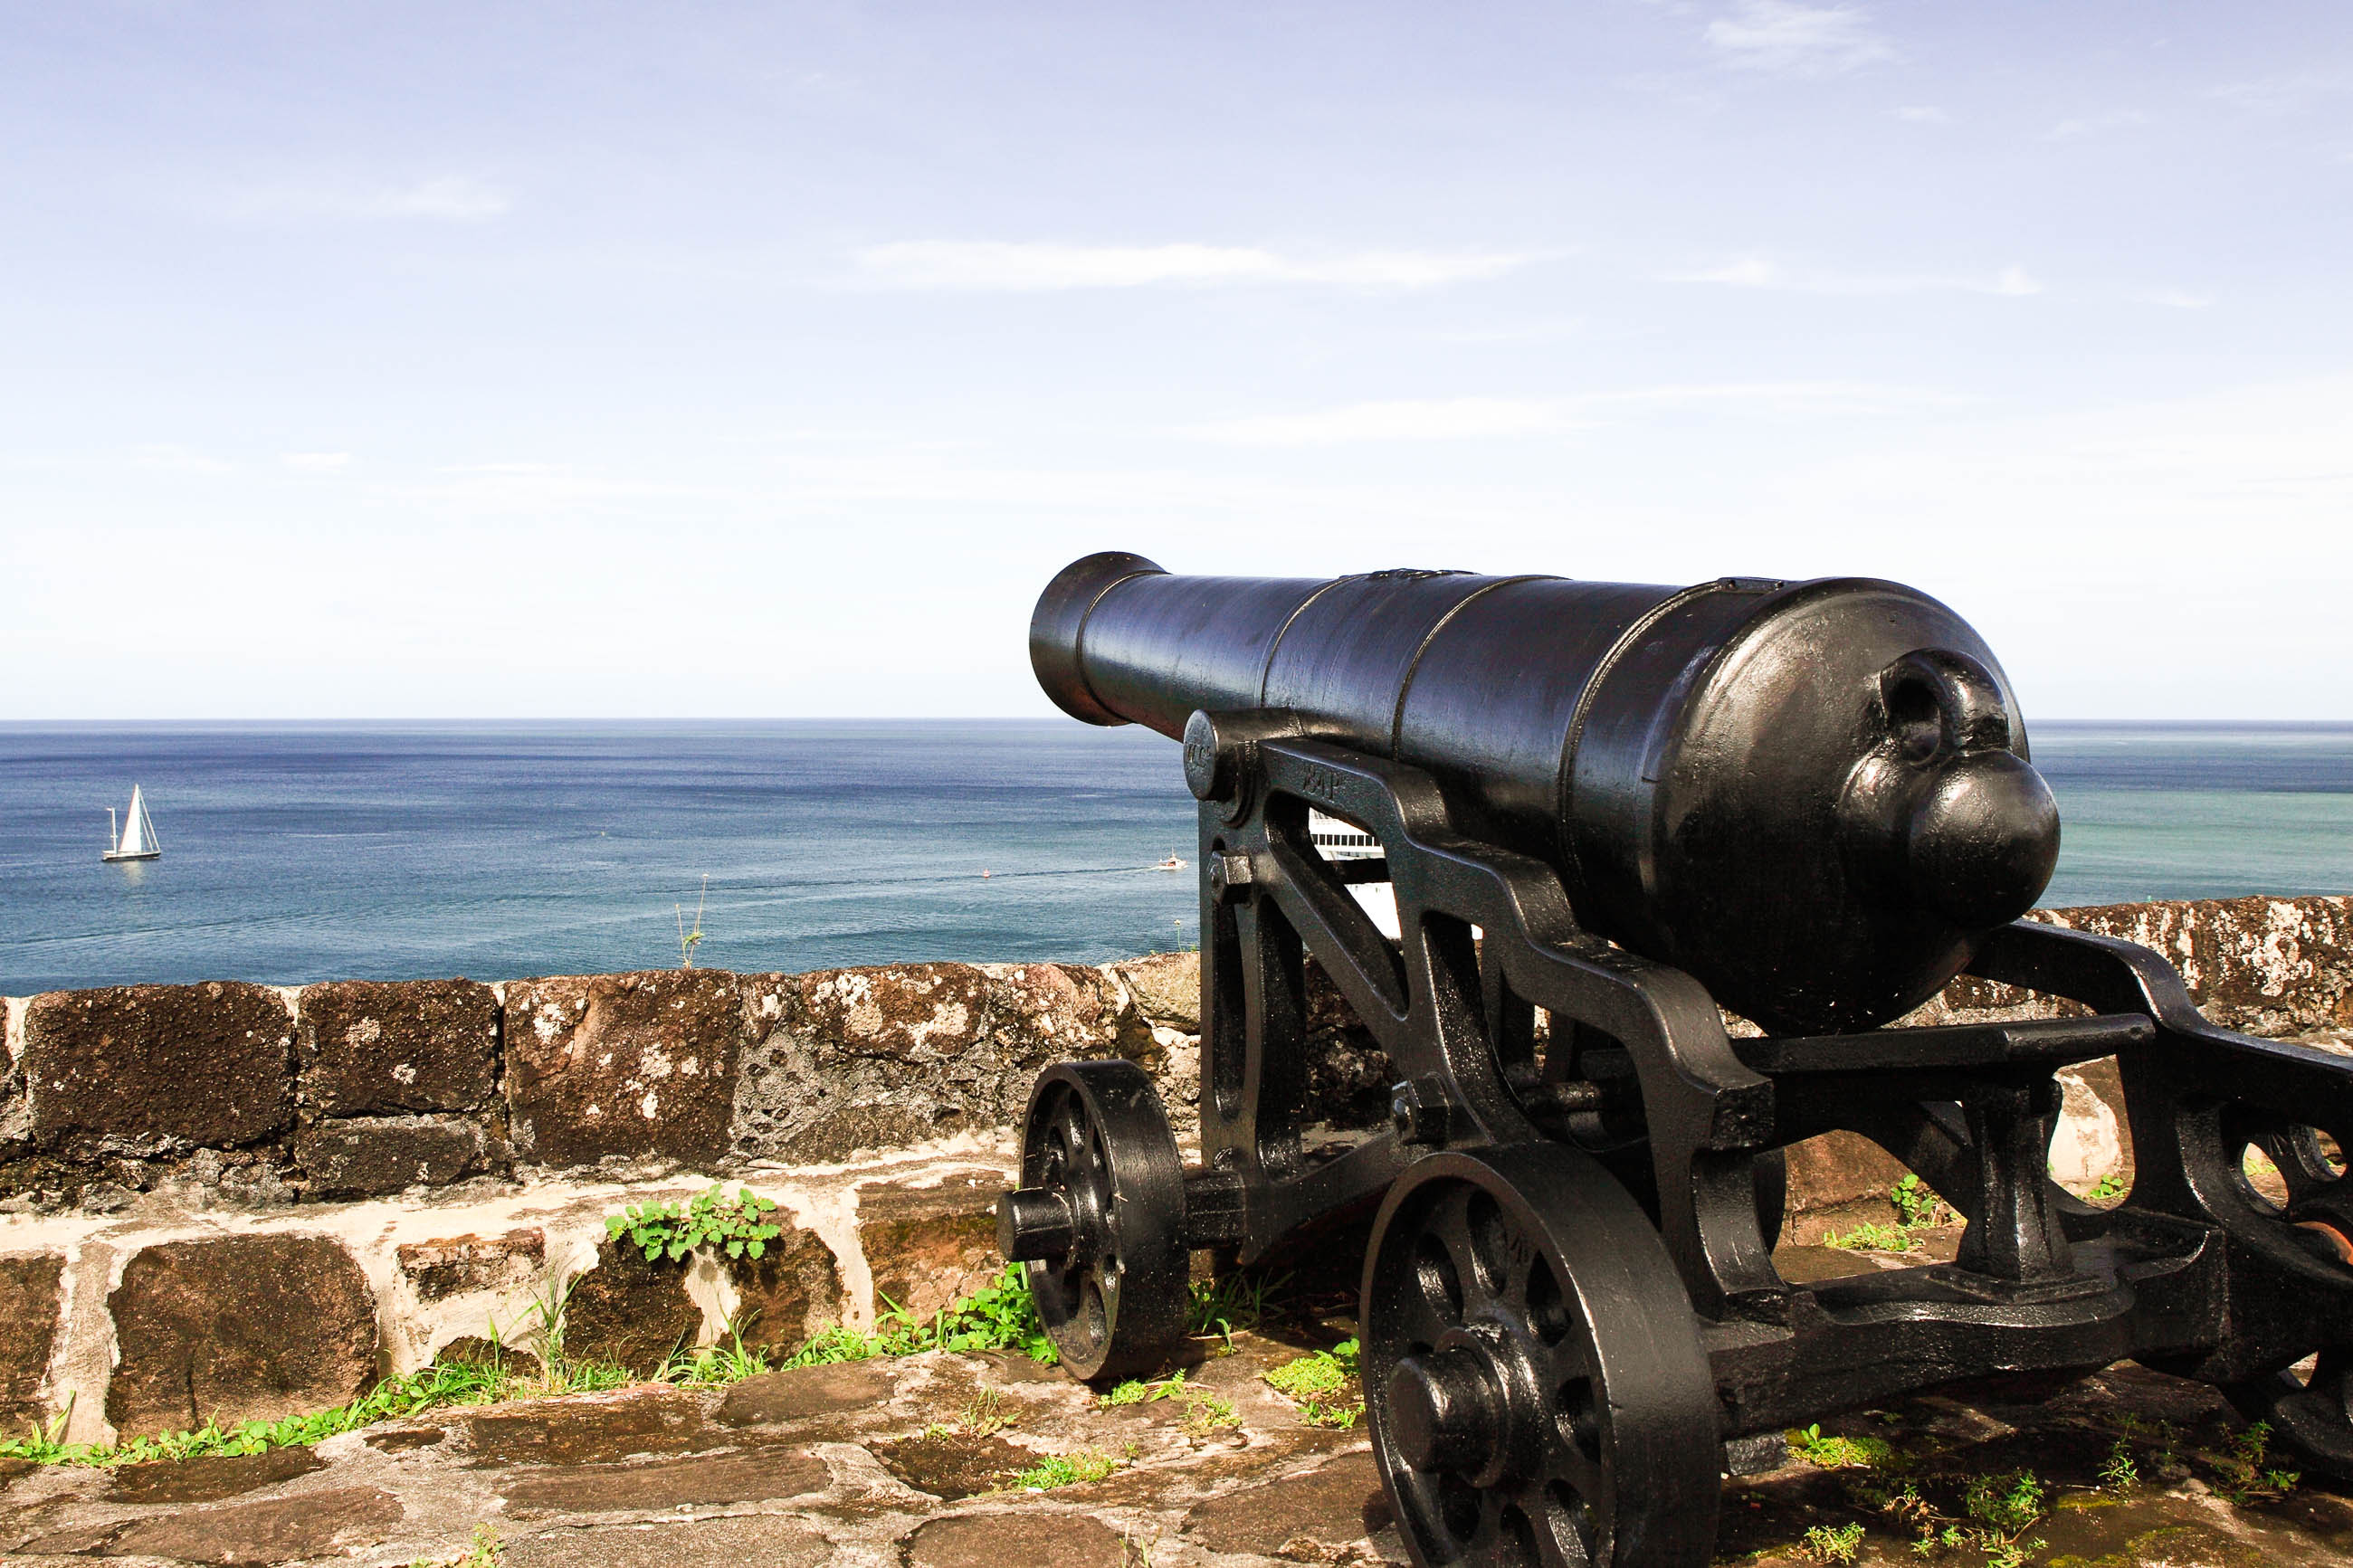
x=134, y=855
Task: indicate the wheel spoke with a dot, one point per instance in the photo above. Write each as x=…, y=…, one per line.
x=1560, y=1539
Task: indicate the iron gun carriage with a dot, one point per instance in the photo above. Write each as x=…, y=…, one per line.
x=1610, y=815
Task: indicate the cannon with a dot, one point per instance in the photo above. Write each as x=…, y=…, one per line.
x=1616, y=820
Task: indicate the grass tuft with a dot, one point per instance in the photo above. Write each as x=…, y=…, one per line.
x=1062, y=1470
x=1314, y=1378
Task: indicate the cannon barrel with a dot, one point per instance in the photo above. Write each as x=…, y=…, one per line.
x=1813, y=796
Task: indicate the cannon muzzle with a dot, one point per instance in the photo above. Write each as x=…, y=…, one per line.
x=1814, y=796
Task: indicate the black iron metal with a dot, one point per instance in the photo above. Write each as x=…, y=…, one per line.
x=1099, y=1219
x=1603, y=811
x=1532, y=1368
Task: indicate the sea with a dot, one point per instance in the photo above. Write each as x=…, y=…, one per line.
x=302, y=852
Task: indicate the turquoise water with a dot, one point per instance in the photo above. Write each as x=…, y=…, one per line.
x=303, y=852
x=2199, y=811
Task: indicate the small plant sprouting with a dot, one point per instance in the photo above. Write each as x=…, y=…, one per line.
x=1229, y=1304
x=688, y=941
x=2247, y=1473
x=1840, y=1453
x=2121, y=1473
x=2108, y=1189
x=985, y=1413
x=1917, y=1209
x=737, y=1225
x=1204, y=1412
x=2008, y=1503
x=1825, y=1544
x=1917, y=1205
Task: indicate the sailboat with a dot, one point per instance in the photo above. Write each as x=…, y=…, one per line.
x=136, y=839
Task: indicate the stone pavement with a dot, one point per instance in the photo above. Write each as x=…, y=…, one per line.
x=910, y=1463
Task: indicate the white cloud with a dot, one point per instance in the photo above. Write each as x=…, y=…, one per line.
x=315, y=462
x=2095, y=125
x=1412, y=419
x=1797, y=40
x=172, y=458
x=1007, y=265
x=1758, y=272
x=449, y=199
x=2283, y=94
x=1924, y=114
x=1491, y=418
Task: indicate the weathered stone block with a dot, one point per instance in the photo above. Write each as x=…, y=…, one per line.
x=28, y=1328
x=381, y=1049
x=317, y=1524
x=994, y=1540
x=153, y=1068
x=630, y=1065
x=869, y=1058
x=363, y=1155
x=1168, y=988
x=928, y=1246
x=1839, y=1168
x=439, y=1269
x=628, y=1312
x=786, y=1294
x=239, y=1328
x=1308, y=1518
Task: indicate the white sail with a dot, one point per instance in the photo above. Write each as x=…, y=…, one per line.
x=136, y=841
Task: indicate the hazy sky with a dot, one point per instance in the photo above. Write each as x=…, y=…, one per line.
x=766, y=359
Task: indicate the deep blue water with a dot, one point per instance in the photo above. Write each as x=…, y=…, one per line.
x=305, y=852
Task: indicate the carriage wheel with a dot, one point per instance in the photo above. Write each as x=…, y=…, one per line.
x=1099, y=1219
x=1533, y=1370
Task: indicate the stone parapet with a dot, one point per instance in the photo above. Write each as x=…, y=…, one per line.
x=236, y=1099
x=163, y=1316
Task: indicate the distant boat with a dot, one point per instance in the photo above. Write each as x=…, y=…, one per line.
x=136, y=839
x=1171, y=864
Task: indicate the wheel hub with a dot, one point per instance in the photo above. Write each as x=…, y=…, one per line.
x=1448, y=1410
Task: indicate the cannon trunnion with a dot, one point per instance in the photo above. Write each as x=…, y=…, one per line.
x=1608, y=814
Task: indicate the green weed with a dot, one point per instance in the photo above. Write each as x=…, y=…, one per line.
x=985, y=1413
x=1230, y=1304
x=1825, y=1544
x=487, y=1551
x=710, y=1219
x=1318, y=1372
x=2008, y=1504
x=2247, y=1473
x=714, y=1366
x=1062, y=1470
x=1000, y=1316
x=1917, y=1208
x=2108, y=1189
x=1204, y=1412
x=1840, y=1453
x=1311, y=1379
x=2120, y=1473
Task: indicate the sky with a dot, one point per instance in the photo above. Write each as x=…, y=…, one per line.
x=604, y=360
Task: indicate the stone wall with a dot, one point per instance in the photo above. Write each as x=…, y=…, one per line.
x=406, y=1167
